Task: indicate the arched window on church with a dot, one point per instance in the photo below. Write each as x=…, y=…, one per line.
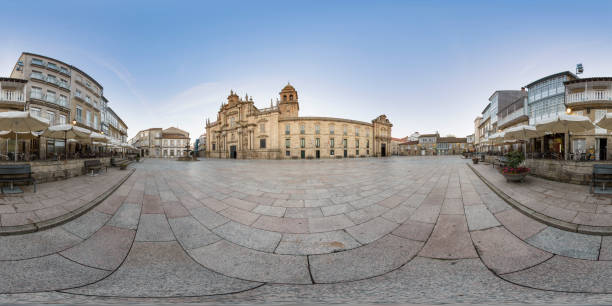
x=290, y=97
x=284, y=97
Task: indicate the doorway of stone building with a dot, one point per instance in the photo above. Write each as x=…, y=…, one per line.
x=233, y=152
x=345, y=153
x=603, y=148
x=383, y=149
x=318, y=154
x=302, y=154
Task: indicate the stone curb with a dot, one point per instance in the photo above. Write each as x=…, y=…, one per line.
x=53, y=222
x=560, y=224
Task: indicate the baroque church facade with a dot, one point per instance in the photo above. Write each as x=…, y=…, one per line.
x=244, y=131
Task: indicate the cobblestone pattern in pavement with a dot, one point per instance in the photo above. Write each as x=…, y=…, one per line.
x=53, y=200
x=427, y=229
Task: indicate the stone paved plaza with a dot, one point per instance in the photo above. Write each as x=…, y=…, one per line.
x=403, y=230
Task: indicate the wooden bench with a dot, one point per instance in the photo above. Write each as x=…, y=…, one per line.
x=17, y=173
x=94, y=164
x=501, y=161
x=602, y=174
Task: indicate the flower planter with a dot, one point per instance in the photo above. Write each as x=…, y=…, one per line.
x=515, y=177
x=475, y=161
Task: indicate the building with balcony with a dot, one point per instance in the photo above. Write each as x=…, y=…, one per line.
x=60, y=92
x=513, y=110
x=57, y=91
x=112, y=125
x=157, y=142
x=247, y=132
x=12, y=94
x=546, y=96
x=590, y=97
x=484, y=128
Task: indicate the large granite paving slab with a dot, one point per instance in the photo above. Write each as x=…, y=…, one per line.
x=36, y=244
x=154, y=227
x=208, y=217
x=503, y=252
x=190, y=233
x=479, y=217
x=450, y=239
x=414, y=230
x=163, y=269
x=606, y=248
x=519, y=224
x=52, y=272
x=316, y=243
x=261, y=240
x=568, y=244
x=87, y=224
x=566, y=274
x=127, y=216
x=377, y=258
x=372, y=230
x=106, y=249
x=244, y=263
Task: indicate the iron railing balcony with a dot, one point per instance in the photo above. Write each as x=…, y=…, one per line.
x=12, y=96
x=589, y=96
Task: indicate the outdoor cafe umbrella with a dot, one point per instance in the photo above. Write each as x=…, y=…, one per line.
x=521, y=132
x=564, y=123
x=10, y=135
x=67, y=131
x=20, y=122
x=605, y=122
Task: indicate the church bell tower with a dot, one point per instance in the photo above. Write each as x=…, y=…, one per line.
x=288, y=105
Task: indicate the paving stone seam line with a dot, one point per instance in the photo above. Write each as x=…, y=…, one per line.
x=553, y=255
x=416, y=254
x=45, y=255
x=47, y=224
x=209, y=269
x=544, y=289
x=563, y=225
x=501, y=225
x=87, y=284
x=116, y=297
x=239, y=278
x=478, y=251
x=309, y=270
x=122, y=261
x=76, y=262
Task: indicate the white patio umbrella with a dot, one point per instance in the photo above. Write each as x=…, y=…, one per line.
x=66, y=131
x=605, y=122
x=521, y=132
x=564, y=123
x=21, y=122
x=10, y=135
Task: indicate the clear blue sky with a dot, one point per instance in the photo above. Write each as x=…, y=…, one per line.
x=428, y=65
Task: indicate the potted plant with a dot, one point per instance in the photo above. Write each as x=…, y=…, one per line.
x=513, y=171
x=475, y=159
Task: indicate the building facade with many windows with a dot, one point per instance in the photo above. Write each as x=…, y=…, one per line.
x=60, y=92
x=247, y=132
x=57, y=91
x=162, y=143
